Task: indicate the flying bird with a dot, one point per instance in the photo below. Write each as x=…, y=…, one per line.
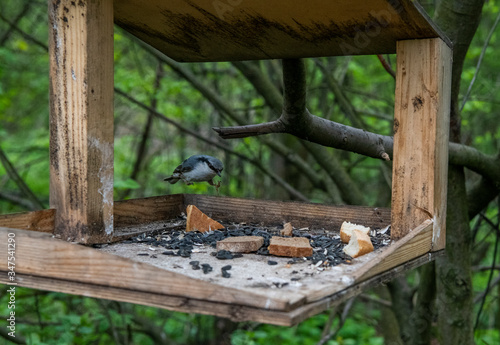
x=197, y=168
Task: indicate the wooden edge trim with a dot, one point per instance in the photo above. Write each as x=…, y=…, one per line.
x=42, y=221
x=39, y=252
x=130, y=216
x=414, y=244
x=236, y=313
x=309, y=309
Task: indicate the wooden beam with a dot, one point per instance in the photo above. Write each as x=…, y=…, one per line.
x=300, y=214
x=414, y=244
x=236, y=313
x=421, y=122
x=39, y=254
x=219, y=30
x=42, y=221
x=81, y=119
x=417, y=243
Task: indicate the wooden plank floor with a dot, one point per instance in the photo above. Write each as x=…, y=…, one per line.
x=45, y=262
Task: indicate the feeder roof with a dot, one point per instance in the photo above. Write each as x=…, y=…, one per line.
x=228, y=30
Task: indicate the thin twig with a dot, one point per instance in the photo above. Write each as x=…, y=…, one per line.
x=382, y=302
x=480, y=60
x=386, y=66
x=24, y=11
x=23, y=187
x=217, y=144
x=488, y=285
x=24, y=34
x=343, y=318
x=142, y=148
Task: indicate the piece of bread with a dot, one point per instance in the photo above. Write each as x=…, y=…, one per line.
x=287, y=230
x=290, y=246
x=197, y=220
x=360, y=244
x=347, y=228
x=241, y=244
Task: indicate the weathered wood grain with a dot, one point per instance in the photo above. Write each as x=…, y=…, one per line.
x=312, y=308
x=138, y=215
x=416, y=243
x=207, y=30
x=298, y=213
x=81, y=119
x=39, y=254
x=133, y=212
x=234, y=312
x=35, y=220
x=421, y=122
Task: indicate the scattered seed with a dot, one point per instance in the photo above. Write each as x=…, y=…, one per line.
x=206, y=268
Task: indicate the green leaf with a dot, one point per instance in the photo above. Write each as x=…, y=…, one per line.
x=127, y=184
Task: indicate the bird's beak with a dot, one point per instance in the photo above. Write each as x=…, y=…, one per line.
x=218, y=173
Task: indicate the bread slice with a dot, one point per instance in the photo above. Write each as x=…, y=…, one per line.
x=359, y=244
x=290, y=246
x=241, y=244
x=197, y=220
x=347, y=228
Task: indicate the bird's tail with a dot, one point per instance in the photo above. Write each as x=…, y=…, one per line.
x=171, y=179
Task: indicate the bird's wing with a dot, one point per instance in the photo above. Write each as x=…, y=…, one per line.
x=179, y=169
x=184, y=169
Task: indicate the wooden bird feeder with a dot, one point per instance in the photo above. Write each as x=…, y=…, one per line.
x=48, y=249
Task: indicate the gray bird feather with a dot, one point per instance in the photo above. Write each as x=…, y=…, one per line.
x=197, y=168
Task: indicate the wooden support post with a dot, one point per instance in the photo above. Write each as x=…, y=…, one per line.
x=81, y=118
x=421, y=124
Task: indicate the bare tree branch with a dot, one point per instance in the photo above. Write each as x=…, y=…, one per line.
x=25, y=34
x=329, y=162
x=291, y=156
x=386, y=66
x=343, y=317
x=331, y=134
x=18, y=339
x=142, y=148
x=297, y=97
x=341, y=98
x=13, y=24
x=217, y=144
x=480, y=60
x=23, y=187
x=261, y=83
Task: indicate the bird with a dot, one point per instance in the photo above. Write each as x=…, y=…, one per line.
x=197, y=168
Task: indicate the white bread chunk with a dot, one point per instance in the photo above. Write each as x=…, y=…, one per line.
x=360, y=244
x=347, y=228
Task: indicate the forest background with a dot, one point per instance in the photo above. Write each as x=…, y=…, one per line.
x=165, y=111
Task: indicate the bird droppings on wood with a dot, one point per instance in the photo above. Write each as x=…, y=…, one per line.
x=195, y=252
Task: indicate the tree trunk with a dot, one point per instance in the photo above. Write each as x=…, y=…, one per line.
x=459, y=20
x=454, y=283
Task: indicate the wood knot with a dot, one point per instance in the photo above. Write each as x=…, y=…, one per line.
x=396, y=126
x=418, y=103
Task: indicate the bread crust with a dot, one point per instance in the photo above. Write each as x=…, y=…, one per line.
x=197, y=220
x=359, y=244
x=347, y=228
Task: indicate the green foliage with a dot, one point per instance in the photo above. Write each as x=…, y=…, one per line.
x=54, y=318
